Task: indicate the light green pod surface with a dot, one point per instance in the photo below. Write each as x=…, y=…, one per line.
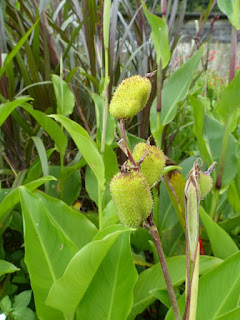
x=130, y=97
x=153, y=164
x=132, y=197
x=205, y=184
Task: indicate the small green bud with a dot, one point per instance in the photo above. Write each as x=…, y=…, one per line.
x=205, y=184
x=153, y=163
x=132, y=197
x=130, y=97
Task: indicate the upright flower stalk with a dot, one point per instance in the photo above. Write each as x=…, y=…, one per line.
x=192, y=201
x=131, y=188
x=197, y=186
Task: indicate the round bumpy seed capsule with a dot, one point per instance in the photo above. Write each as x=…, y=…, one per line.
x=205, y=183
x=153, y=163
x=130, y=97
x=132, y=197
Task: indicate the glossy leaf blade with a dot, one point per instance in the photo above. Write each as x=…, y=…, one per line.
x=177, y=87
x=53, y=234
x=99, y=111
x=72, y=223
x=152, y=278
x=159, y=36
x=198, y=114
x=86, y=146
x=222, y=244
x=7, y=108
x=230, y=98
x=51, y=127
x=12, y=198
x=218, y=291
x=231, y=315
x=111, y=168
x=232, y=10
x=111, y=290
x=64, y=96
x=68, y=291
x=213, y=132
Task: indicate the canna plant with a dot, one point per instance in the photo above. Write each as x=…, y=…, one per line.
x=130, y=193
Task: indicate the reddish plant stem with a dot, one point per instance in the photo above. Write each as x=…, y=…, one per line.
x=164, y=8
x=159, y=86
x=123, y=134
x=152, y=229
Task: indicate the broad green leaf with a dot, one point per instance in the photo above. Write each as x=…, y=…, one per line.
x=155, y=123
x=213, y=132
x=68, y=291
x=111, y=125
x=16, y=48
x=177, y=86
x=12, y=198
x=232, y=10
x=64, y=96
x=108, y=231
x=173, y=241
x=152, y=278
x=53, y=234
x=140, y=260
x=230, y=98
x=231, y=315
x=175, y=184
x=163, y=296
x=218, y=291
x=140, y=240
x=186, y=165
x=167, y=217
x=7, y=108
x=110, y=215
x=159, y=36
x=230, y=223
x=73, y=223
x=51, y=127
x=198, y=115
x=111, y=290
x=132, y=140
x=111, y=168
x=67, y=189
x=86, y=146
x=7, y=267
x=234, y=197
x=222, y=244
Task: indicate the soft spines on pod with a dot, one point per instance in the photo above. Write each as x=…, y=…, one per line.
x=205, y=184
x=130, y=97
x=132, y=197
x=153, y=164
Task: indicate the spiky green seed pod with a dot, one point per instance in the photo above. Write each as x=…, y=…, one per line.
x=153, y=163
x=132, y=197
x=130, y=97
x=205, y=183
